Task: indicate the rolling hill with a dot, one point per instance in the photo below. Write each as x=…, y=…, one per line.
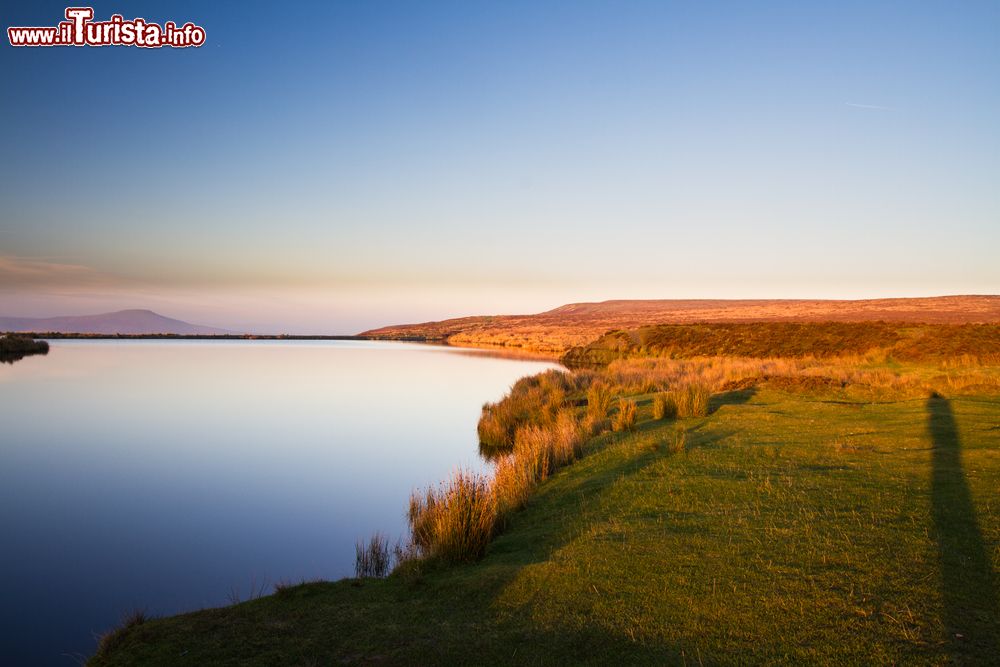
x=120, y=322
x=556, y=331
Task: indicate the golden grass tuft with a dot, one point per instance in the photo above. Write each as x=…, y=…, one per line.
x=599, y=398
x=594, y=426
x=664, y=406
x=626, y=416
x=457, y=521
x=454, y=522
x=692, y=400
x=532, y=400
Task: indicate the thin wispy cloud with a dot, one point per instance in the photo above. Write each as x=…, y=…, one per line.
x=872, y=107
x=30, y=272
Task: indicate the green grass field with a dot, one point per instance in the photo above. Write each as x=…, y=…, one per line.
x=792, y=528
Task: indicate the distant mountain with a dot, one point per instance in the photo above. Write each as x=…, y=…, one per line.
x=555, y=331
x=121, y=322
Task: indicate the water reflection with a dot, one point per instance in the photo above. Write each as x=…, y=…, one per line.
x=166, y=474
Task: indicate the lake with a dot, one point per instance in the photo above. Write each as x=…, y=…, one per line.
x=176, y=475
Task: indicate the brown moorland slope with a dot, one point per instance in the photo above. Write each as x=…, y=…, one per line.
x=904, y=341
x=556, y=331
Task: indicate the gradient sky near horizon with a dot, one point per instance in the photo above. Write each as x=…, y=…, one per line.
x=333, y=166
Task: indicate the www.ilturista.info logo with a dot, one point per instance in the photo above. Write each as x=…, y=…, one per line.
x=79, y=29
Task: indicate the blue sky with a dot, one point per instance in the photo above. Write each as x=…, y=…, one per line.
x=333, y=166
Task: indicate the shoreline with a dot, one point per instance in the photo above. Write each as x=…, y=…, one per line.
x=668, y=475
x=55, y=335
x=503, y=351
x=558, y=444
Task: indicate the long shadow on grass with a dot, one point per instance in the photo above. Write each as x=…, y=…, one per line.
x=568, y=508
x=565, y=497
x=968, y=583
x=563, y=510
x=735, y=397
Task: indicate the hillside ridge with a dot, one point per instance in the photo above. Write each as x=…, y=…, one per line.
x=575, y=324
x=131, y=321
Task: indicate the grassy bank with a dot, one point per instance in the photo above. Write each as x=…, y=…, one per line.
x=798, y=520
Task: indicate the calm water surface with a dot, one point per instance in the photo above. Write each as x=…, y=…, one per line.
x=172, y=475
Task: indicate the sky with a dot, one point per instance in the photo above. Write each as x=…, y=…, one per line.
x=330, y=167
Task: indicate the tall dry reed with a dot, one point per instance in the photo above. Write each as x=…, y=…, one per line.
x=534, y=400
x=372, y=559
x=457, y=521
x=664, y=406
x=626, y=416
x=599, y=398
x=692, y=400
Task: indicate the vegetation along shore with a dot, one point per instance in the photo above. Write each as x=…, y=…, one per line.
x=14, y=347
x=816, y=500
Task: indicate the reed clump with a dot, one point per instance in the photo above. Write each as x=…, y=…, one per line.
x=664, y=406
x=599, y=398
x=537, y=454
x=594, y=426
x=372, y=558
x=692, y=400
x=513, y=483
x=550, y=447
x=533, y=400
x=626, y=416
x=456, y=521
